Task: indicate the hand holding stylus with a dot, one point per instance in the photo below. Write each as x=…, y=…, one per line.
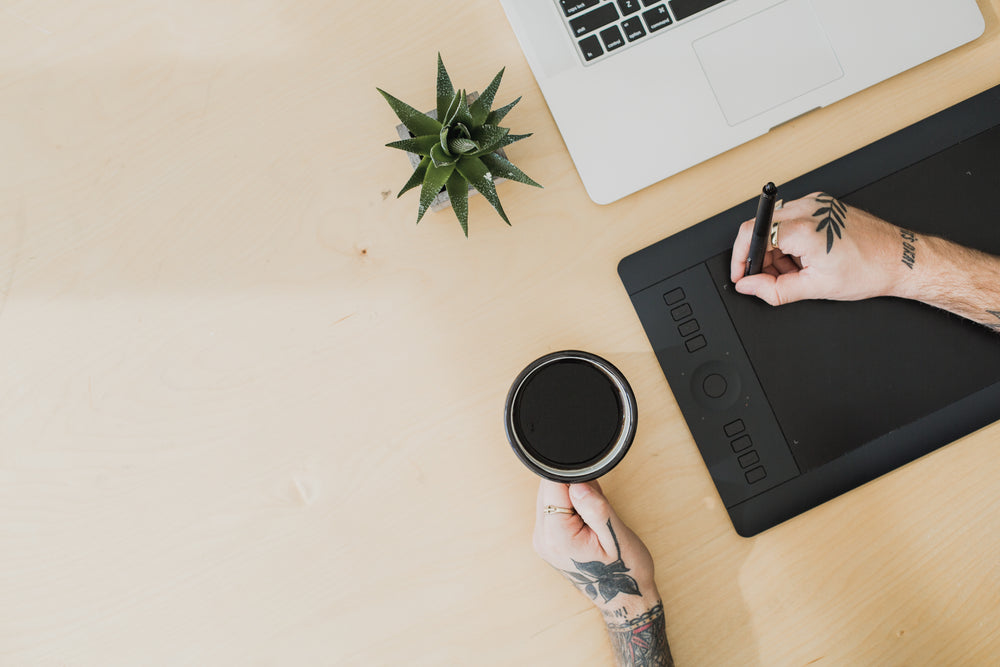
x=825, y=250
x=820, y=248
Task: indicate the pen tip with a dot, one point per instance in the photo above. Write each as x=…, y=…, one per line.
x=770, y=189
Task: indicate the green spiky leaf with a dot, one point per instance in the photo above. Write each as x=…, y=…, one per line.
x=452, y=109
x=501, y=168
x=452, y=132
x=445, y=91
x=458, y=192
x=440, y=158
x=489, y=138
x=417, y=123
x=458, y=111
x=511, y=138
x=419, y=145
x=478, y=174
x=497, y=115
x=434, y=180
x=481, y=107
x=416, y=178
x=507, y=140
x=462, y=146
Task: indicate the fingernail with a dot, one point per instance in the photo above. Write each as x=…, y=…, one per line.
x=579, y=491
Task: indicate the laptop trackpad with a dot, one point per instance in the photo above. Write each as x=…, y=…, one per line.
x=767, y=59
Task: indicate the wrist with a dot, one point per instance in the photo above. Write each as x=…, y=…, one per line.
x=641, y=640
x=917, y=256
x=624, y=609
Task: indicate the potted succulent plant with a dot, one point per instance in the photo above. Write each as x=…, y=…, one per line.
x=459, y=147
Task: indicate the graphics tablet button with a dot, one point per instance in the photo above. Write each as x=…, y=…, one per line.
x=749, y=459
x=674, y=296
x=756, y=474
x=687, y=328
x=714, y=385
x=735, y=428
x=741, y=443
x=681, y=312
x=696, y=343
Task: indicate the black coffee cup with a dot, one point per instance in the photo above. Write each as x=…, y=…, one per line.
x=570, y=416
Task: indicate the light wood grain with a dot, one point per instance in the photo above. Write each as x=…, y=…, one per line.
x=250, y=414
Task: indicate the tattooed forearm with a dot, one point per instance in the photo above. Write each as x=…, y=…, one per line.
x=831, y=216
x=608, y=579
x=642, y=641
x=909, y=249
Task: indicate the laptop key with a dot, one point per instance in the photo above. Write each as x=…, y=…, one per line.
x=657, y=18
x=682, y=9
x=591, y=48
x=571, y=7
x=633, y=29
x=628, y=6
x=593, y=20
x=612, y=38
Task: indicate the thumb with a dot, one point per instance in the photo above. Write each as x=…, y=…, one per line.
x=597, y=513
x=786, y=288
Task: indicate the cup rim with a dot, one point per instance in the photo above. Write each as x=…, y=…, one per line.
x=626, y=432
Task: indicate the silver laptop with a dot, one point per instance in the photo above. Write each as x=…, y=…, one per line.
x=643, y=89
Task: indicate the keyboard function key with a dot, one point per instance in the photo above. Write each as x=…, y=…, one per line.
x=593, y=20
x=590, y=47
x=633, y=31
x=571, y=7
x=657, y=18
x=674, y=295
x=628, y=6
x=612, y=38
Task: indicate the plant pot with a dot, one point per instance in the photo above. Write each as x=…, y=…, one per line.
x=442, y=200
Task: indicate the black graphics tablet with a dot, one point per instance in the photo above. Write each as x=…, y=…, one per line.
x=795, y=405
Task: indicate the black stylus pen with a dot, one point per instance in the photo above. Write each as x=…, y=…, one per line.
x=761, y=228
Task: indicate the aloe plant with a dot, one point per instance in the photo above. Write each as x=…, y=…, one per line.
x=459, y=147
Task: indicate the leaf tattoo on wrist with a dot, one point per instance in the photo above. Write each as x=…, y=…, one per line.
x=606, y=579
x=833, y=213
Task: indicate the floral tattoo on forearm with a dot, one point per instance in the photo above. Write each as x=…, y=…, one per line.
x=606, y=579
x=831, y=216
x=642, y=641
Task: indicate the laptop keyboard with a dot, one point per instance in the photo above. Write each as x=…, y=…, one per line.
x=604, y=27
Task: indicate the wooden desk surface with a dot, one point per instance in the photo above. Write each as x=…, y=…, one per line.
x=250, y=414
